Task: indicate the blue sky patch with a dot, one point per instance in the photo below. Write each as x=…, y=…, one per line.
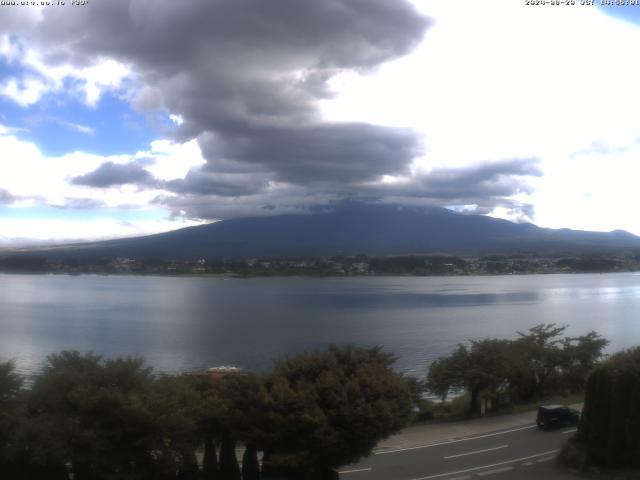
x=130, y=215
x=59, y=125
x=629, y=13
x=60, y=122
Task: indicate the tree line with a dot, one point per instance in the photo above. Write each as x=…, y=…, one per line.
x=538, y=364
x=89, y=418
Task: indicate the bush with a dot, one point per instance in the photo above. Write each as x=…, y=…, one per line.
x=610, y=427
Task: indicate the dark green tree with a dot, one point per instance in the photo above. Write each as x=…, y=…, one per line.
x=580, y=356
x=229, y=468
x=11, y=419
x=111, y=419
x=446, y=373
x=250, y=465
x=541, y=346
x=483, y=370
x=609, y=431
x=231, y=409
x=209, y=459
x=330, y=408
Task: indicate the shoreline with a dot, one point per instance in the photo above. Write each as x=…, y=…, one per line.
x=233, y=275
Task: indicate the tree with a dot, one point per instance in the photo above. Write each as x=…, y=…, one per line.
x=326, y=409
x=10, y=419
x=535, y=365
x=111, y=419
x=609, y=431
x=230, y=410
x=541, y=348
x=446, y=374
x=250, y=465
x=581, y=355
x=483, y=370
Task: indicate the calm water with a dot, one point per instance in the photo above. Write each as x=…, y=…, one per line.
x=188, y=323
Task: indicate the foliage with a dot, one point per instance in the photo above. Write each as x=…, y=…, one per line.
x=482, y=369
x=330, y=408
x=609, y=430
x=10, y=384
x=537, y=364
x=416, y=265
x=88, y=418
x=110, y=419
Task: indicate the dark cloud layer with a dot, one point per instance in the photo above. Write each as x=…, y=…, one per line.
x=486, y=180
x=199, y=182
x=109, y=174
x=482, y=187
x=340, y=153
x=246, y=76
x=249, y=74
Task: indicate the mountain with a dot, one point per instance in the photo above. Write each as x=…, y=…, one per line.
x=350, y=230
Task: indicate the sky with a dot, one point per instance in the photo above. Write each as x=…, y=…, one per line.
x=129, y=117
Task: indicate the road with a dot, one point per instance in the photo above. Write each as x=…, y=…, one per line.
x=516, y=453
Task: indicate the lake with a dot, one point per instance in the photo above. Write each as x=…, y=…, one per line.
x=188, y=323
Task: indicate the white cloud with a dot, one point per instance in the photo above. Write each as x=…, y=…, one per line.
x=492, y=81
x=24, y=92
x=174, y=160
x=80, y=128
x=500, y=79
x=38, y=180
x=38, y=78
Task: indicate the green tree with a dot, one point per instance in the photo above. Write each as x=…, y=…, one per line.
x=535, y=365
x=111, y=419
x=483, y=370
x=580, y=356
x=609, y=431
x=231, y=409
x=330, y=408
x=11, y=416
x=541, y=346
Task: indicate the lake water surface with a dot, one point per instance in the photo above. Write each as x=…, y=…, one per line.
x=189, y=323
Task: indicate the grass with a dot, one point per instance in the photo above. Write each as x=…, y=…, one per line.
x=458, y=407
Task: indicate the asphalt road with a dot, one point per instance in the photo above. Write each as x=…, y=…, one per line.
x=516, y=453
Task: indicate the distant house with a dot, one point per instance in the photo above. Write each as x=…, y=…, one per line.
x=221, y=372
x=217, y=373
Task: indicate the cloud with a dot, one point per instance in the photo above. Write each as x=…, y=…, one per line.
x=496, y=180
x=198, y=182
x=33, y=73
x=245, y=81
x=80, y=128
x=6, y=197
x=330, y=152
x=245, y=77
x=109, y=174
x=81, y=204
x=480, y=189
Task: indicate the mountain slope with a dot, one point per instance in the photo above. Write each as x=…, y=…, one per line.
x=353, y=229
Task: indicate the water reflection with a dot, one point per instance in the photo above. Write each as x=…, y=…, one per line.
x=186, y=323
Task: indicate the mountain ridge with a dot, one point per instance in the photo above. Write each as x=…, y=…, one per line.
x=351, y=230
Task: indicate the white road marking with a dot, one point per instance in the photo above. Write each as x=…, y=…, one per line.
x=506, y=462
x=527, y=464
x=356, y=470
x=476, y=451
x=545, y=459
x=455, y=441
x=496, y=470
x=570, y=431
x=465, y=477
